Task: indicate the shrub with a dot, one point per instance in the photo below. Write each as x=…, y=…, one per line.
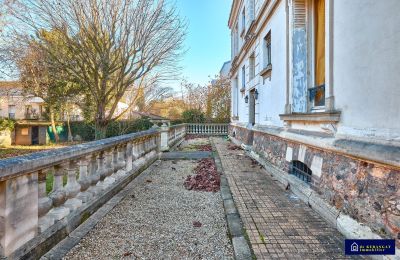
x=7, y=124
x=193, y=116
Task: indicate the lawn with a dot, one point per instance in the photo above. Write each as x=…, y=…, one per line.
x=17, y=150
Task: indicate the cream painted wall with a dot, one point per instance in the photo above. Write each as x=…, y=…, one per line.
x=366, y=67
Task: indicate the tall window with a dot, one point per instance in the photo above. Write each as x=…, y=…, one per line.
x=318, y=92
x=11, y=111
x=267, y=50
x=243, y=20
x=243, y=77
x=252, y=66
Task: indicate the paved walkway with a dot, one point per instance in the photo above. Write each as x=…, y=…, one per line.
x=277, y=223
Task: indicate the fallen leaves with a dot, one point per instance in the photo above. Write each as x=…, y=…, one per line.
x=206, y=177
x=233, y=147
x=197, y=224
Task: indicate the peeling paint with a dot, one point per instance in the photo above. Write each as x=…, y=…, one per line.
x=299, y=102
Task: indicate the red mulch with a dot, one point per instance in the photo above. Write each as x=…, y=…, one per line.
x=206, y=177
x=194, y=136
x=204, y=148
x=234, y=147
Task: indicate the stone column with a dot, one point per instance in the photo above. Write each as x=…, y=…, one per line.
x=164, y=137
x=45, y=203
x=93, y=176
x=84, y=181
x=101, y=171
x=110, y=168
x=18, y=211
x=58, y=195
x=129, y=158
x=72, y=188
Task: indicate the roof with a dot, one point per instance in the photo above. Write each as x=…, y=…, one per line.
x=10, y=84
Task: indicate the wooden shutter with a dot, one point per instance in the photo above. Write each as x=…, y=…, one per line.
x=299, y=13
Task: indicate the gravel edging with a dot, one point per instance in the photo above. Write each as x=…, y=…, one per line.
x=240, y=241
x=63, y=247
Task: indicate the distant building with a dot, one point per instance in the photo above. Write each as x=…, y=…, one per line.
x=28, y=111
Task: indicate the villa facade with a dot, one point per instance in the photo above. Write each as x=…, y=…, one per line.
x=315, y=99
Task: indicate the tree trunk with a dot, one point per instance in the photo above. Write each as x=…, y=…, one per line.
x=100, y=130
x=70, y=138
x=100, y=127
x=53, y=126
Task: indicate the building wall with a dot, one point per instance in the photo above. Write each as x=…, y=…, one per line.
x=20, y=104
x=23, y=135
x=354, y=162
x=271, y=100
x=366, y=67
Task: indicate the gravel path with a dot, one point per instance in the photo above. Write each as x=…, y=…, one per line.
x=156, y=221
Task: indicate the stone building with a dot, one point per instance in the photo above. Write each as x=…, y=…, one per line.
x=315, y=98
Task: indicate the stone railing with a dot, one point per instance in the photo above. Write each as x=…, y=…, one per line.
x=207, y=129
x=79, y=177
x=44, y=196
x=176, y=133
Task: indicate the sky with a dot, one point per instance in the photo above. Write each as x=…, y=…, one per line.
x=208, y=38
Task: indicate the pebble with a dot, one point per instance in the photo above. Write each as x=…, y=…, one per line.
x=160, y=219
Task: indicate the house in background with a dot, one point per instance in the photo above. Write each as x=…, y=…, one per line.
x=28, y=111
x=315, y=98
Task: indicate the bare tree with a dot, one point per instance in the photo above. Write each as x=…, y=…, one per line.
x=106, y=46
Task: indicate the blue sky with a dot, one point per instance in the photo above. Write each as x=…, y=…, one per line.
x=208, y=38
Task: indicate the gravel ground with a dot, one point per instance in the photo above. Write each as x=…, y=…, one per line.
x=157, y=221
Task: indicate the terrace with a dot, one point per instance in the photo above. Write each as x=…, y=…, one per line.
x=169, y=192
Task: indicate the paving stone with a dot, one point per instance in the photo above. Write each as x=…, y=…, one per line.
x=278, y=223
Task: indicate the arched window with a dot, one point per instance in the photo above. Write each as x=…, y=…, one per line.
x=301, y=171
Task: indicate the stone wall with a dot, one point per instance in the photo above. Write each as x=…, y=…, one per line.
x=242, y=134
x=368, y=192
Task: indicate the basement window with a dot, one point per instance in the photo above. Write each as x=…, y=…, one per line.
x=301, y=171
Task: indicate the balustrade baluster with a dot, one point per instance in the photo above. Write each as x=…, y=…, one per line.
x=129, y=158
x=72, y=188
x=94, y=177
x=84, y=180
x=58, y=195
x=44, y=203
x=111, y=166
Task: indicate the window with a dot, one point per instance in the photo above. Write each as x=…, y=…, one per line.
x=301, y=171
x=243, y=20
x=252, y=66
x=317, y=93
x=243, y=77
x=11, y=111
x=267, y=50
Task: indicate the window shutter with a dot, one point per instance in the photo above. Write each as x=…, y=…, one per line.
x=299, y=13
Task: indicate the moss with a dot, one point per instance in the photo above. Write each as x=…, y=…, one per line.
x=85, y=216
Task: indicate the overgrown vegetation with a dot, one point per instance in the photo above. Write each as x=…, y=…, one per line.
x=7, y=124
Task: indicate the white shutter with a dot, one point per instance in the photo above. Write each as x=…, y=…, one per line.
x=299, y=13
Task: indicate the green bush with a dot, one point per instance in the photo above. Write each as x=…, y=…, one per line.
x=7, y=124
x=86, y=130
x=193, y=116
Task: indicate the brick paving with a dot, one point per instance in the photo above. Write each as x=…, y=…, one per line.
x=278, y=224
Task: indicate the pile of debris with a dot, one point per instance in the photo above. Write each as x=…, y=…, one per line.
x=206, y=177
x=204, y=148
x=194, y=136
x=233, y=147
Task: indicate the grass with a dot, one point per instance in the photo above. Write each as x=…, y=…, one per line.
x=49, y=182
x=17, y=150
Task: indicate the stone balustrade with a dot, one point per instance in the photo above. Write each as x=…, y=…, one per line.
x=45, y=195
x=207, y=129
x=80, y=174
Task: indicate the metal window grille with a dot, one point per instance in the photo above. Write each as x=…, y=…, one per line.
x=301, y=171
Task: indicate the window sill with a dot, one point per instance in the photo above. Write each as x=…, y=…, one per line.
x=332, y=117
x=266, y=72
